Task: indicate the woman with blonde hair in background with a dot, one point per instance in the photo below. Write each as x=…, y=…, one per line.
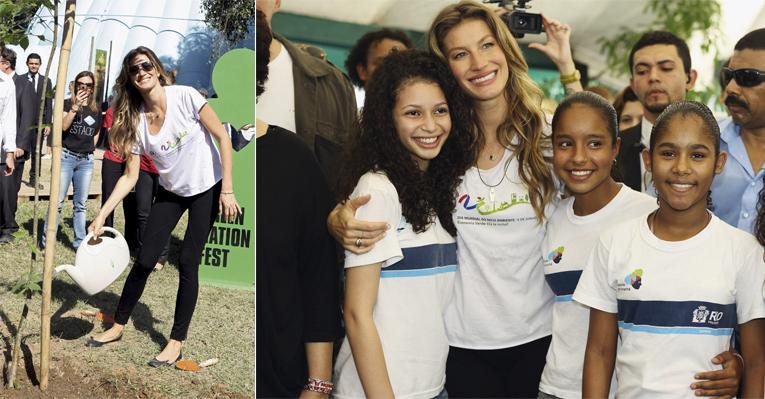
x=498, y=322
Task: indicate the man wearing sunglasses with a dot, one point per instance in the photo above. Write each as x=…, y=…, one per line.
x=736, y=190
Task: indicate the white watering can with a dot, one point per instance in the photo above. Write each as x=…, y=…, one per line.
x=96, y=266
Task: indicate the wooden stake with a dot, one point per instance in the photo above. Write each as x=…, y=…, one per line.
x=50, y=247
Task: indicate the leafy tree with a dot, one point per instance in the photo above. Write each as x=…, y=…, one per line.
x=233, y=18
x=15, y=17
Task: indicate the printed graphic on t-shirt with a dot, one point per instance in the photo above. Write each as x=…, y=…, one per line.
x=171, y=145
x=634, y=279
x=556, y=255
x=482, y=206
x=83, y=126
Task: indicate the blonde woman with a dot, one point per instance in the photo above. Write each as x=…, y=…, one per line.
x=174, y=125
x=81, y=125
x=499, y=320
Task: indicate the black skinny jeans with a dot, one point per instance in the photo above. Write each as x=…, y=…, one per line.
x=136, y=206
x=165, y=213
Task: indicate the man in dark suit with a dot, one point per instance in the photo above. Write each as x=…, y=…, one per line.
x=28, y=111
x=660, y=64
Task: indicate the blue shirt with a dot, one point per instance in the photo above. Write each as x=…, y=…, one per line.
x=735, y=191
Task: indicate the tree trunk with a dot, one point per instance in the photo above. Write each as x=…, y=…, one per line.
x=50, y=247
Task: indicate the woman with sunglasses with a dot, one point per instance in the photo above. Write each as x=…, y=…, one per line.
x=81, y=125
x=174, y=125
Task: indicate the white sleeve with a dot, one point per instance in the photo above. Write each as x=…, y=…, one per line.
x=384, y=206
x=749, y=285
x=195, y=100
x=8, y=118
x=595, y=288
x=137, y=148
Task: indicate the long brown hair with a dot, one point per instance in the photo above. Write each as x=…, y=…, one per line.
x=521, y=130
x=92, y=99
x=127, y=103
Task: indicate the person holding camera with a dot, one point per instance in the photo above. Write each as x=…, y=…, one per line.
x=81, y=125
x=499, y=322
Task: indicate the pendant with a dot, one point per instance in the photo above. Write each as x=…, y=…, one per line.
x=491, y=157
x=491, y=195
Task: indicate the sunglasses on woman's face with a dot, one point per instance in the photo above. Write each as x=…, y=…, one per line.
x=145, y=66
x=746, y=77
x=83, y=85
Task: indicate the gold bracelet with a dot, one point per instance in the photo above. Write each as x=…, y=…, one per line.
x=570, y=78
x=227, y=192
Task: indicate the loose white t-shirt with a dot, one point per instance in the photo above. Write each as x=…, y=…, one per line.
x=416, y=282
x=677, y=302
x=567, y=245
x=183, y=151
x=276, y=106
x=500, y=298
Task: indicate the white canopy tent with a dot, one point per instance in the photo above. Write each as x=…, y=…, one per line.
x=590, y=20
x=174, y=29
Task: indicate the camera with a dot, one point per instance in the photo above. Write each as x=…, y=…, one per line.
x=519, y=21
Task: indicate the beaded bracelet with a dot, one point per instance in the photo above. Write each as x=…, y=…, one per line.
x=317, y=385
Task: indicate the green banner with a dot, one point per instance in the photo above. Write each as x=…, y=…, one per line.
x=228, y=259
x=99, y=70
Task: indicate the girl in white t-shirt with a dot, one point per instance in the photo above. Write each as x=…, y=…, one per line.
x=585, y=145
x=174, y=126
x=673, y=284
x=413, y=144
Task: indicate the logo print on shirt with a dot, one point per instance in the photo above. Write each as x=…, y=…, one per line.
x=174, y=142
x=635, y=279
x=700, y=314
x=465, y=201
x=488, y=207
x=704, y=315
x=556, y=255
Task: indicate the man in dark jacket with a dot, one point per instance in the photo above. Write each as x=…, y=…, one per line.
x=308, y=96
x=28, y=110
x=660, y=64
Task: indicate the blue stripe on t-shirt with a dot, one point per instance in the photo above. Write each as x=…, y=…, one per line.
x=418, y=272
x=677, y=317
x=563, y=284
x=677, y=330
x=424, y=261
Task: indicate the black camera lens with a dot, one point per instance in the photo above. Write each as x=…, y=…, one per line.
x=521, y=22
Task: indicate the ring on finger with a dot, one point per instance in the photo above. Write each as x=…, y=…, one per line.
x=358, y=243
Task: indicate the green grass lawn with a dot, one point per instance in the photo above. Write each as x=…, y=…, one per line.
x=222, y=327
